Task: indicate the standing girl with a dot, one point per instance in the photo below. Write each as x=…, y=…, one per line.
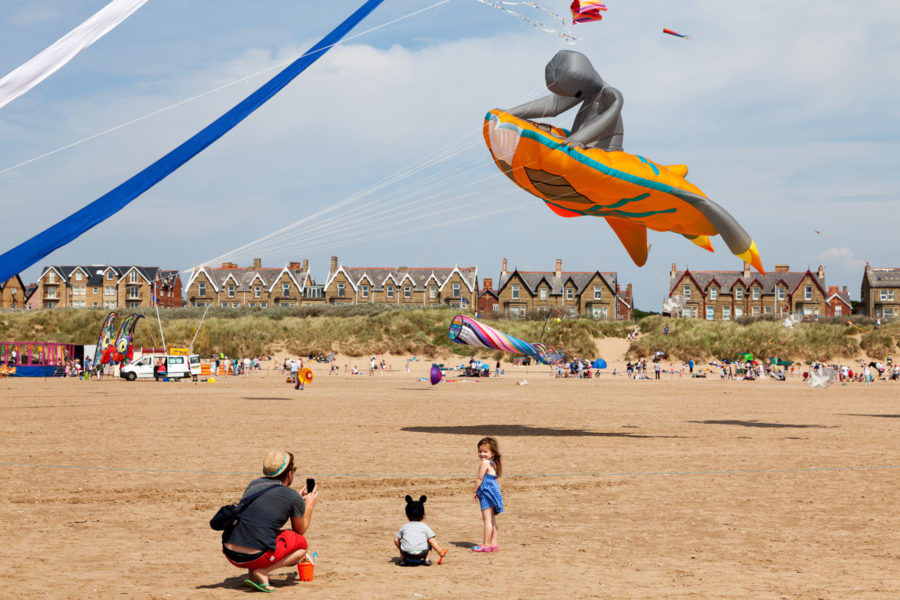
x=487, y=491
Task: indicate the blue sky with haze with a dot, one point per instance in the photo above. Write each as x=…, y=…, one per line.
x=785, y=112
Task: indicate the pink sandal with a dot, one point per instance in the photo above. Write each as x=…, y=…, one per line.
x=482, y=549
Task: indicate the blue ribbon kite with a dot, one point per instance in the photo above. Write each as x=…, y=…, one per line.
x=29, y=252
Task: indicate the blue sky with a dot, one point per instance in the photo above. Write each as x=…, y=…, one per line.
x=785, y=112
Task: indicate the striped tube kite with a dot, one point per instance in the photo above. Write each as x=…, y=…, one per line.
x=631, y=192
x=469, y=332
x=675, y=33
x=106, y=344
x=585, y=11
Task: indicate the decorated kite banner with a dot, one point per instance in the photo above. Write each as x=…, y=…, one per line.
x=29, y=252
x=106, y=341
x=585, y=11
x=55, y=56
x=124, y=347
x=469, y=332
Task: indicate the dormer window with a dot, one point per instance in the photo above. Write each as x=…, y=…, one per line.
x=738, y=293
x=109, y=275
x=543, y=293
x=713, y=294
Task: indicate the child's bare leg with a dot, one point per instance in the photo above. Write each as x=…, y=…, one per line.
x=487, y=516
x=495, y=529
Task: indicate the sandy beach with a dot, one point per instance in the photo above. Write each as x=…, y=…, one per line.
x=679, y=488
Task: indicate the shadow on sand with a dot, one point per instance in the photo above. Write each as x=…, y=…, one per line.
x=760, y=424
x=525, y=430
x=880, y=416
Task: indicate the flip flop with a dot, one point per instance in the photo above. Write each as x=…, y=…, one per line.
x=443, y=554
x=262, y=587
x=482, y=549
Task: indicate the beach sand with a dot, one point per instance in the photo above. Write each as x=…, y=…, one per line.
x=679, y=488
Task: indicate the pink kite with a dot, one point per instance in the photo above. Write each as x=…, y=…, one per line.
x=584, y=11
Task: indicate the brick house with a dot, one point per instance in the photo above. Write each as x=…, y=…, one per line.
x=13, y=295
x=106, y=286
x=402, y=286
x=724, y=295
x=880, y=292
x=588, y=293
x=838, y=301
x=488, y=301
x=231, y=286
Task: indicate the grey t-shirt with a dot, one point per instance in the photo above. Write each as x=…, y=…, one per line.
x=262, y=520
x=414, y=537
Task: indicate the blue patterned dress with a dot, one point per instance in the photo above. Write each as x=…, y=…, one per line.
x=489, y=493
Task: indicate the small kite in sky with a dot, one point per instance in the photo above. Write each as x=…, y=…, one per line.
x=585, y=11
x=675, y=33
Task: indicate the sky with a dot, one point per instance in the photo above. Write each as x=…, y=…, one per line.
x=786, y=114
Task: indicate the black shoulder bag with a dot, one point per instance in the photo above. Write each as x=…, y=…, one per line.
x=230, y=515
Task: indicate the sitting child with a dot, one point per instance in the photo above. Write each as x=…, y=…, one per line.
x=416, y=539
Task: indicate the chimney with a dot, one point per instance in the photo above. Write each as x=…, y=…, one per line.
x=334, y=265
x=472, y=270
x=229, y=265
x=746, y=270
x=673, y=272
x=832, y=289
x=845, y=289
x=294, y=266
x=402, y=270
x=257, y=263
x=559, y=267
x=503, y=268
x=782, y=268
x=820, y=272
x=488, y=283
x=306, y=264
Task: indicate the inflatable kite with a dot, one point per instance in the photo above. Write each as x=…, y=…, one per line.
x=435, y=375
x=469, y=332
x=55, y=56
x=585, y=171
x=675, y=33
x=585, y=11
x=30, y=251
x=124, y=346
x=106, y=342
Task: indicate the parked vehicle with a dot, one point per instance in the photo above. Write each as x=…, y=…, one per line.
x=176, y=366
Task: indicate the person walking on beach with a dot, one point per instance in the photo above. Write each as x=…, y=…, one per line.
x=487, y=491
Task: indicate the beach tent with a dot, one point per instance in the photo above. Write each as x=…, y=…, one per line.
x=780, y=362
x=598, y=364
x=745, y=357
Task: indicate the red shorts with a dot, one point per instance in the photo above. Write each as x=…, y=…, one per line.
x=288, y=542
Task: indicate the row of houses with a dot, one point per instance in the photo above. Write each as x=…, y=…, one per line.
x=712, y=295
x=724, y=295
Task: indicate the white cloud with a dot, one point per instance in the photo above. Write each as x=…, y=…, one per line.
x=844, y=256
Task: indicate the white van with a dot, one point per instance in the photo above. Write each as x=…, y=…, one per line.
x=176, y=366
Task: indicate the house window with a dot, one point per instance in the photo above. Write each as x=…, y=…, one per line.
x=686, y=291
x=407, y=291
x=109, y=290
x=285, y=290
x=78, y=276
x=738, y=312
x=253, y=305
x=570, y=293
x=713, y=294
x=599, y=312
x=543, y=293
x=755, y=311
x=781, y=292
x=710, y=313
x=496, y=308
x=837, y=311
x=224, y=305
x=201, y=289
x=234, y=305
x=109, y=275
x=109, y=304
x=598, y=292
x=95, y=290
x=390, y=291
x=726, y=313
x=768, y=310
x=456, y=290
x=515, y=292
x=432, y=291
x=364, y=291
x=133, y=278
x=807, y=292
x=51, y=277
x=134, y=293
x=887, y=295
x=231, y=290
x=78, y=290
x=755, y=292
x=257, y=291
x=739, y=293
x=340, y=290
x=264, y=304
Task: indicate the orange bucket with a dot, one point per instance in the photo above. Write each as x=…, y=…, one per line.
x=305, y=569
